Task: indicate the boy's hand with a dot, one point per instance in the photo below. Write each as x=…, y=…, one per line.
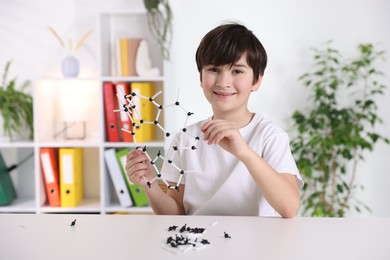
x=226, y=134
x=138, y=166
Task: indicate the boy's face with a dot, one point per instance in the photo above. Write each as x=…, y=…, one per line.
x=227, y=88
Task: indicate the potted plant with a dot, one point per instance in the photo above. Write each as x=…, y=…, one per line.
x=16, y=108
x=337, y=129
x=160, y=17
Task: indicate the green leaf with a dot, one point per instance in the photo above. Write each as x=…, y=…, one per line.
x=15, y=106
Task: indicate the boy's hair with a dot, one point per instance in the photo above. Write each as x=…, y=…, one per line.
x=225, y=44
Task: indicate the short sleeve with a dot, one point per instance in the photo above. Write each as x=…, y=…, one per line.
x=277, y=153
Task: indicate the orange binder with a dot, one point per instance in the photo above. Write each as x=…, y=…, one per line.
x=123, y=89
x=49, y=167
x=110, y=103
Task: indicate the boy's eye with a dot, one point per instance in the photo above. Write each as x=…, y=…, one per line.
x=213, y=69
x=237, y=71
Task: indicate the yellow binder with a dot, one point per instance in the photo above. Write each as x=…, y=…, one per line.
x=71, y=176
x=146, y=110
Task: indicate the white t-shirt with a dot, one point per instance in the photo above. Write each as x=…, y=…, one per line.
x=216, y=182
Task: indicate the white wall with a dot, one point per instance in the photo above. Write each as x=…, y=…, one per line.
x=287, y=29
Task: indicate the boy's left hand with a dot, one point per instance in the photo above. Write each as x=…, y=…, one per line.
x=226, y=134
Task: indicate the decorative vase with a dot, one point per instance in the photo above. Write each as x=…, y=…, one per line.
x=70, y=67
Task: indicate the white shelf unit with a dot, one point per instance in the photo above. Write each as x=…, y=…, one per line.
x=114, y=25
x=99, y=195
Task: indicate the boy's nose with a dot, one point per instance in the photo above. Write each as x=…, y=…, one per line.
x=224, y=79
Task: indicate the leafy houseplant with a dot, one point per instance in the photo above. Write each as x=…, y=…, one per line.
x=160, y=17
x=15, y=106
x=336, y=132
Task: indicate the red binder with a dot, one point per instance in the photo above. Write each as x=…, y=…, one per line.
x=49, y=165
x=110, y=103
x=122, y=89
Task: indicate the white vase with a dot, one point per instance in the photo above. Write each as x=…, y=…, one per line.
x=70, y=67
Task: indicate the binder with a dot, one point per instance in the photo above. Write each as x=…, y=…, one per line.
x=71, y=176
x=50, y=173
x=136, y=191
x=110, y=103
x=117, y=177
x=123, y=89
x=146, y=110
x=7, y=189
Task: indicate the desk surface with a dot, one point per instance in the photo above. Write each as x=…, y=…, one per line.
x=50, y=236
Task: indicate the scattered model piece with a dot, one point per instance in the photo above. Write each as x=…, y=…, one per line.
x=172, y=228
x=226, y=235
x=189, y=238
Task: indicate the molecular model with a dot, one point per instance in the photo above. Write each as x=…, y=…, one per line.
x=130, y=108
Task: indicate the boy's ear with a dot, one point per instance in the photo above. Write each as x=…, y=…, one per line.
x=257, y=84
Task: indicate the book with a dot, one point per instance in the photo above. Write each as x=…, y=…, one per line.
x=137, y=193
x=122, y=56
x=122, y=90
x=145, y=110
x=111, y=117
x=117, y=177
x=50, y=173
x=126, y=55
x=71, y=176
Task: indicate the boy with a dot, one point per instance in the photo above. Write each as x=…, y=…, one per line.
x=243, y=165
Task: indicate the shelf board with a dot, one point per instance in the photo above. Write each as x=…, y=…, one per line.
x=26, y=144
x=133, y=79
x=69, y=78
x=133, y=145
x=25, y=205
x=88, y=205
x=114, y=208
x=71, y=143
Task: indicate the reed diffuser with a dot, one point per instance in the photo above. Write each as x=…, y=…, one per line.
x=70, y=66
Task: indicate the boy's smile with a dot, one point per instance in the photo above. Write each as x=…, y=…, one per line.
x=223, y=95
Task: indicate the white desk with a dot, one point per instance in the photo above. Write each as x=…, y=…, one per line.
x=140, y=237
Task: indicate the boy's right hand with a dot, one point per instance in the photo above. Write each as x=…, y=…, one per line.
x=138, y=167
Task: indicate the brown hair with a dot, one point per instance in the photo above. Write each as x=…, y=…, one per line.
x=225, y=44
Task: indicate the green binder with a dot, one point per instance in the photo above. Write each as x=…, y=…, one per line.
x=137, y=193
x=7, y=189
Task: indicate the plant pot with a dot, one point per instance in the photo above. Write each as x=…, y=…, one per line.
x=70, y=67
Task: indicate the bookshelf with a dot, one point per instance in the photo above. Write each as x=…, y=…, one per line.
x=83, y=94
